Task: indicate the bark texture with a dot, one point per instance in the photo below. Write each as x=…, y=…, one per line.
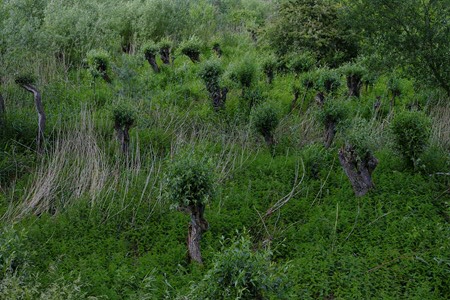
x=330, y=132
x=152, y=61
x=354, y=84
x=320, y=98
x=165, y=55
x=197, y=227
x=123, y=136
x=359, y=171
x=41, y=115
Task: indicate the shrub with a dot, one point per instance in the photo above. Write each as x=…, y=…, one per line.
x=264, y=120
x=411, y=133
x=210, y=73
x=99, y=64
x=244, y=73
x=150, y=48
x=124, y=115
x=189, y=182
x=238, y=272
x=191, y=48
x=25, y=79
x=327, y=80
x=302, y=63
x=332, y=111
x=269, y=66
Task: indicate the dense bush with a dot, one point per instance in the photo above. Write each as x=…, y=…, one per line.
x=264, y=120
x=238, y=272
x=99, y=64
x=411, y=133
x=192, y=48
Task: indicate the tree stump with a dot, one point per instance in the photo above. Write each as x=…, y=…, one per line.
x=197, y=227
x=358, y=170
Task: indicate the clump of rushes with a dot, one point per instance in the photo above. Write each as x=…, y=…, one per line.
x=124, y=117
x=150, y=50
x=327, y=82
x=354, y=74
x=411, y=134
x=264, y=119
x=27, y=82
x=165, y=48
x=99, y=64
x=210, y=73
x=191, y=48
x=269, y=66
x=189, y=186
x=217, y=49
x=356, y=157
x=331, y=114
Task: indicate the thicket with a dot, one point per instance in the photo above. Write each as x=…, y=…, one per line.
x=348, y=197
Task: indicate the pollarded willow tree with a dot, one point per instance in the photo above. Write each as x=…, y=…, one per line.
x=264, y=120
x=27, y=82
x=150, y=50
x=99, y=64
x=210, y=73
x=124, y=118
x=356, y=157
x=192, y=49
x=189, y=187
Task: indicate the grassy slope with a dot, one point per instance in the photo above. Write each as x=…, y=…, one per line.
x=123, y=241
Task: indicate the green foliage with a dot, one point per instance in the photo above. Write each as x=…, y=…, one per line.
x=191, y=47
x=25, y=79
x=411, y=133
x=361, y=137
x=124, y=115
x=238, y=272
x=301, y=63
x=333, y=110
x=189, y=182
x=353, y=69
x=313, y=25
x=327, y=80
x=264, y=119
x=244, y=72
x=99, y=62
x=394, y=86
x=412, y=32
x=150, y=49
x=13, y=254
x=165, y=44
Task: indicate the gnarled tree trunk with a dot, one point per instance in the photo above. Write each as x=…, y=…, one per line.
x=219, y=97
x=359, y=171
x=330, y=131
x=41, y=115
x=320, y=98
x=197, y=227
x=165, y=55
x=354, y=84
x=152, y=61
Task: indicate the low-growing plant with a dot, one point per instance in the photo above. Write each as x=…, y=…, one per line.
x=264, y=120
x=239, y=272
x=190, y=186
x=192, y=48
x=411, y=134
x=99, y=64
